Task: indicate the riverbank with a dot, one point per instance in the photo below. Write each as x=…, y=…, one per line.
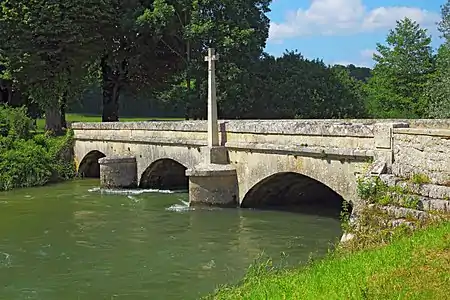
x=411, y=267
x=29, y=158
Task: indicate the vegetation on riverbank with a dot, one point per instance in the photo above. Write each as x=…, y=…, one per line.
x=28, y=158
x=411, y=267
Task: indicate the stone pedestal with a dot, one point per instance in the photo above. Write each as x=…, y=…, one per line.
x=118, y=172
x=214, y=182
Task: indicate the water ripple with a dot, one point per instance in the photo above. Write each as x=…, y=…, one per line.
x=5, y=259
x=133, y=192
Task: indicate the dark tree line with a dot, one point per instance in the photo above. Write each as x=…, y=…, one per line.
x=147, y=56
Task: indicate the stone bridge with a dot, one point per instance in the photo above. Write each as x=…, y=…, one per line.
x=277, y=162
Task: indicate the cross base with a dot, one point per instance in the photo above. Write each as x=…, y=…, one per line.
x=215, y=155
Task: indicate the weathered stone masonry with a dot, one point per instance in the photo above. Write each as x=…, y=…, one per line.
x=423, y=152
x=332, y=152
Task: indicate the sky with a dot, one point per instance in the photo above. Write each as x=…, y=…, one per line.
x=344, y=31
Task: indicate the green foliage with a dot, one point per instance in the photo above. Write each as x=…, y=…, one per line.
x=438, y=89
x=419, y=178
x=345, y=216
x=15, y=123
x=24, y=164
x=294, y=87
x=27, y=160
x=401, y=74
x=237, y=30
x=444, y=24
x=375, y=191
x=369, y=188
x=358, y=73
x=60, y=151
x=45, y=46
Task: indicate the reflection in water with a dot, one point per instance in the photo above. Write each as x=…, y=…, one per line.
x=69, y=243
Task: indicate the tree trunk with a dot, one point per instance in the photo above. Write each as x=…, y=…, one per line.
x=111, y=91
x=187, y=106
x=10, y=95
x=63, y=112
x=188, y=81
x=53, y=120
x=110, y=102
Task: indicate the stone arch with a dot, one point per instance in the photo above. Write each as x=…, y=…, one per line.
x=165, y=174
x=89, y=166
x=294, y=192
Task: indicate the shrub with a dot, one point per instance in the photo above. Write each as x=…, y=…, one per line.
x=24, y=164
x=27, y=160
x=60, y=150
x=375, y=191
x=420, y=178
x=15, y=123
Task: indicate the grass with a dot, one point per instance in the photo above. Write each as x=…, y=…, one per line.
x=90, y=118
x=420, y=179
x=415, y=267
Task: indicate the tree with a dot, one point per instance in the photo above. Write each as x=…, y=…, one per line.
x=359, y=73
x=438, y=91
x=56, y=50
x=138, y=38
x=444, y=24
x=403, y=67
x=237, y=29
x=293, y=87
x=41, y=48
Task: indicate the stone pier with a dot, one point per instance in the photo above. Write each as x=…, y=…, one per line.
x=118, y=172
x=213, y=182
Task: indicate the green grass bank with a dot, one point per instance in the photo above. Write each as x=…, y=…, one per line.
x=411, y=267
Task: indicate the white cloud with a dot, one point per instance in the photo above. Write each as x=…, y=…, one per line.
x=367, y=53
x=333, y=17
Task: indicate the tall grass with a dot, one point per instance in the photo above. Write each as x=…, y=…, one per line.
x=415, y=267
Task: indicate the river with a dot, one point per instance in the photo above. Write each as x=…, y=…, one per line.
x=70, y=241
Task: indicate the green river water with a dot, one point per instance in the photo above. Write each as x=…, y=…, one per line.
x=69, y=241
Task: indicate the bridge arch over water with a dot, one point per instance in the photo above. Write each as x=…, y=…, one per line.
x=89, y=166
x=294, y=192
x=165, y=174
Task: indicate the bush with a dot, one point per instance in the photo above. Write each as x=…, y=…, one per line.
x=25, y=164
x=60, y=150
x=27, y=160
x=15, y=123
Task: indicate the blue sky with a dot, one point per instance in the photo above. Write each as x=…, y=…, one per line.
x=343, y=31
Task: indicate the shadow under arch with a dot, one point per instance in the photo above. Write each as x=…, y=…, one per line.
x=89, y=166
x=165, y=174
x=294, y=192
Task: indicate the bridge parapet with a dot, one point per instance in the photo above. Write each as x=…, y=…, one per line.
x=296, y=137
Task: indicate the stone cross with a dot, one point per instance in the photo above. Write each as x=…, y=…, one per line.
x=213, y=130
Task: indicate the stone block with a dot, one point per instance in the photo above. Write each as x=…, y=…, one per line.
x=213, y=185
x=118, y=172
x=378, y=167
x=383, y=133
x=215, y=155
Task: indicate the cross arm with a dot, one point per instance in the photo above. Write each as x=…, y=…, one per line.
x=212, y=58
